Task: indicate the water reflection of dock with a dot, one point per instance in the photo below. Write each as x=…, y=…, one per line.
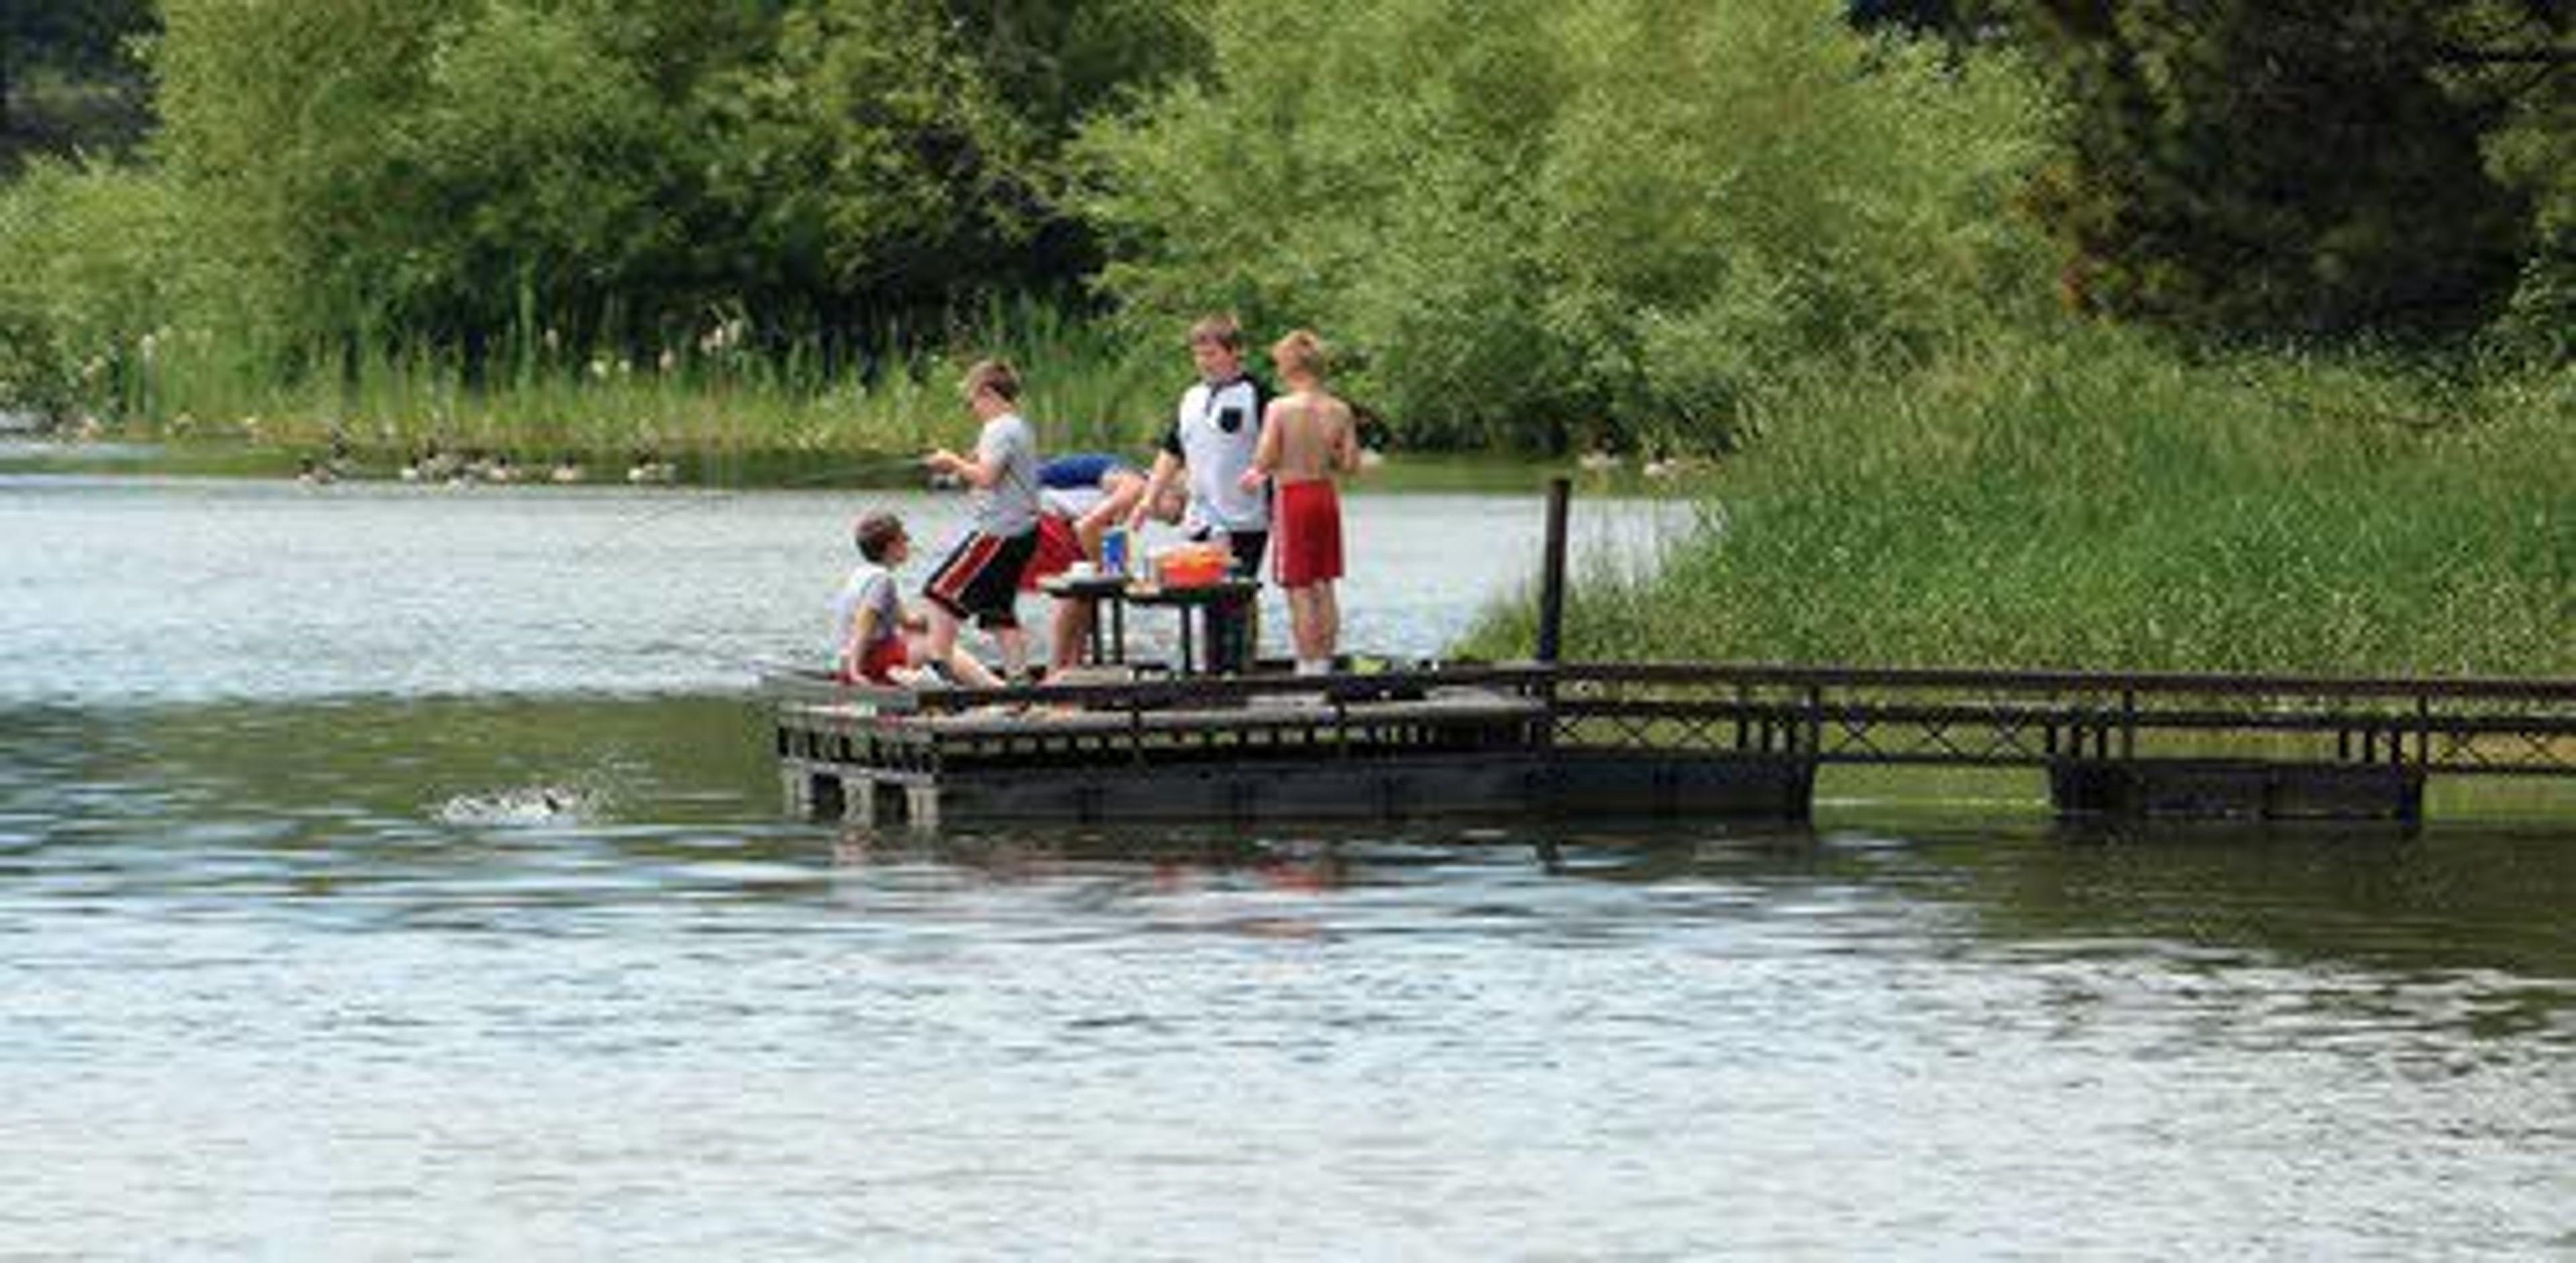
x=1652, y=740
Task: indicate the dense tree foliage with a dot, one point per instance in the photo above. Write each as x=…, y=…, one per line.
x=1532, y=223
x=1565, y=222
x=2279, y=166
x=452, y=169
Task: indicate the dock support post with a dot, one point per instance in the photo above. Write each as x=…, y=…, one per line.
x=1551, y=579
x=921, y=806
x=859, y=800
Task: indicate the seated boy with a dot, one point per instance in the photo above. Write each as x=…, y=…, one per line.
x=875, y=641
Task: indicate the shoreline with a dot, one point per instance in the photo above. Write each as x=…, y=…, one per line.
x=775, y=469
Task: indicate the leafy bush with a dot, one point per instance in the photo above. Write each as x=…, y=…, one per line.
x=453, y=171
x=2261, y=168
x=1547, y=223
x=90, y=259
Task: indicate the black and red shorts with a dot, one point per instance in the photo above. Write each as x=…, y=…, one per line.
x=980, y=578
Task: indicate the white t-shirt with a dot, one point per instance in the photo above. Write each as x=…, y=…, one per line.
x=1071, y=502
x=1216, y=432
x=1010, y=506
x=871, y=586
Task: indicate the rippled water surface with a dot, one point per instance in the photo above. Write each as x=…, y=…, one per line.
x=393, y=872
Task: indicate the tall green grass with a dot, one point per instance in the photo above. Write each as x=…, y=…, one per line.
x=2096, y=501
x=722, y=402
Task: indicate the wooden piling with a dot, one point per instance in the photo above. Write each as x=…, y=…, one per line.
x=1551, y=576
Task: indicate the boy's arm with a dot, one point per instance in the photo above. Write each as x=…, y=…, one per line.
x=1111, y=510
x=979, y=471
x=1166, y=467
x=1265, y=454
x=1346, y=444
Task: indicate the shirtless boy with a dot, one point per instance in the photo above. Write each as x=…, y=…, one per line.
x=1307, y=437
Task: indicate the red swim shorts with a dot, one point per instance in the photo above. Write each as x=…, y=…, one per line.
x=1307, y=523
x=879, y=665
x=1058, y=548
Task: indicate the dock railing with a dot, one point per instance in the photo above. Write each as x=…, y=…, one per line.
x=1973, y=717
x=1896, y=715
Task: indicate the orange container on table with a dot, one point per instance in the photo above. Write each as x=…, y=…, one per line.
x=1191, y=565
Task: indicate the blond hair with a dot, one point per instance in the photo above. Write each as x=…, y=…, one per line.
x=1220, y=329
x=1299, y=352
x=993, y=375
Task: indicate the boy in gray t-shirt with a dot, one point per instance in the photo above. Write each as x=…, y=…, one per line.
x=981, y=575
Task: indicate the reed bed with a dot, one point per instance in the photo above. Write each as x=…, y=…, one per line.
x=2097, y=502
x=722, y=405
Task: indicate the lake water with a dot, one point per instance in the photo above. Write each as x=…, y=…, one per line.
x=392, y=871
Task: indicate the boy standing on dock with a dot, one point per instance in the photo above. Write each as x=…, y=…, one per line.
x=981, y=576
x=1307, y=437
x=1211, y=441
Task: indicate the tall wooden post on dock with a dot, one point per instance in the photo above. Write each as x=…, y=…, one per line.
x=1551, y=579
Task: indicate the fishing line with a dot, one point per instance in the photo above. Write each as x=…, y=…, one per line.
x=720, y=496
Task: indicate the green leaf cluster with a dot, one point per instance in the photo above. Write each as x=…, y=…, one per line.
x=1544, y=224
x=2292, y=168
x=485, y=176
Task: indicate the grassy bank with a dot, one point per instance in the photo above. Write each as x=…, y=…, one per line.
x=724, y=406
x=2094, y=501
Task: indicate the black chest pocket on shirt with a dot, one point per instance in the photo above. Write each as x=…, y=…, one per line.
x=1230, y=420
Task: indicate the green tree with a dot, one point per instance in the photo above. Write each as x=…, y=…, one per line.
x=537, y=168
x=867, y=161
x=2274, y=167
x=1541, y=223
x=279, y=120
x=453, y=168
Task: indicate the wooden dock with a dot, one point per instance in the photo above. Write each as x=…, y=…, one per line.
x=1651, y=740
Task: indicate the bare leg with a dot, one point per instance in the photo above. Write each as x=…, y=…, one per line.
x=967, y=671
x=1072, y=629
x=963, y=669
x=1015, y=649
x=1328, y=621
x=1301, y=624
x=941, y=643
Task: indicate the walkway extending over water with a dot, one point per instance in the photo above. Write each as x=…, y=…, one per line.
x=1655, y=739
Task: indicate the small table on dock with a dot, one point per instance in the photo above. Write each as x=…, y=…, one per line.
x=1108, y=642
x=1198, y=603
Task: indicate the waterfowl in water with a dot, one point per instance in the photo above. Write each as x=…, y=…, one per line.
x=1663, y=467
